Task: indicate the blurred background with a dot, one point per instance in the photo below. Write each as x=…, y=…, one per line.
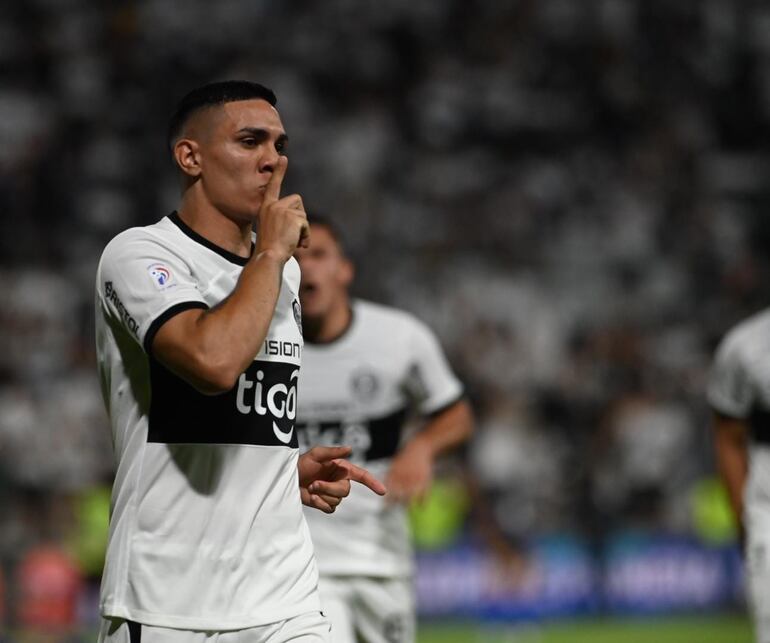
x=573, y=194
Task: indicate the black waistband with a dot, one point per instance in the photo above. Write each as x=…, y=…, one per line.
x=134, y=632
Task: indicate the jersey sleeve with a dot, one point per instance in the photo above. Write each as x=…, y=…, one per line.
x=430, y=381
x=730, y=389
x=142, y=284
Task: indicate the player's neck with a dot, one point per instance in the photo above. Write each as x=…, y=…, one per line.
x=330, y=327
x=227, y=233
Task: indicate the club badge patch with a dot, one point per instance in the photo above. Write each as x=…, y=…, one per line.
x=161, y=275
x=295, y=306
x=365, y=385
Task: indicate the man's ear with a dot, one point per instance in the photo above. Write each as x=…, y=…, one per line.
x=187, y=157
x=347, y=272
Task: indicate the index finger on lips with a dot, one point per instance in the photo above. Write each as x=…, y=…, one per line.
x=273, y=188
x=362, y=476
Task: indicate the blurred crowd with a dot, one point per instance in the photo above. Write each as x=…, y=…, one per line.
x=572, y=194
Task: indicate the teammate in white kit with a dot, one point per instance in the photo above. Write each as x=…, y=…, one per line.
x=199, y=347
x=366, y=367
x=739, y=394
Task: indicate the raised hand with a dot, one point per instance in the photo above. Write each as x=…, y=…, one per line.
x=283, y=223
x=324, y=477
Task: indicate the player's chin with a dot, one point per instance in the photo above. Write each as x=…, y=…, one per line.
x=248, y=211
x=312, y=314
x=254, y=204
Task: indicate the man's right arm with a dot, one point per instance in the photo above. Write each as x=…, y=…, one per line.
x=210, y=349
x=731, y=396
x=730, y=445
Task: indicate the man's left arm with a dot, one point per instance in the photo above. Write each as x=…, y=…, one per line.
x=438, y=394
x=411, y=471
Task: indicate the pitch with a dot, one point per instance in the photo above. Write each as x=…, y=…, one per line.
x=702, y=629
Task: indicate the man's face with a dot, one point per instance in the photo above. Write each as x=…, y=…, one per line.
x=326, y=274
x=239, y=144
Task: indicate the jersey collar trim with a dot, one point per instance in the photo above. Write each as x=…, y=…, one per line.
x=230, y=256
x=339, y=338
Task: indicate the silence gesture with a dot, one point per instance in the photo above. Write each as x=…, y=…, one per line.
x=283, y=223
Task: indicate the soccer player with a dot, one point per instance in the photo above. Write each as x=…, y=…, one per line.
x=365, y=368
x=199, y=346
x=739, y=394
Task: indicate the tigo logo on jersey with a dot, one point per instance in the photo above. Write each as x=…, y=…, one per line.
x=276, y=397
x=161, y=276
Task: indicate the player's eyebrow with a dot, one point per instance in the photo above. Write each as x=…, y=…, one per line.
x=262, y=134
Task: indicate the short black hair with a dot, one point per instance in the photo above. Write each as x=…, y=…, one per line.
x=219, y=93
x=320, y=219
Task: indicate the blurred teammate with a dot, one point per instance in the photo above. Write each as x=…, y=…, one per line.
x=199, y=344
x=365, y=368
x=739, y=394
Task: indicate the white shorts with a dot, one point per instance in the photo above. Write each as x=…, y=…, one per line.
x=758, y=570
x=306, y=628
x=375, y=610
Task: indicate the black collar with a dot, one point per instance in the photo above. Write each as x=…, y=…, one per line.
x=230, y=256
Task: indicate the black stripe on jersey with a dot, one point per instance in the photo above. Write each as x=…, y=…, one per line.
x=759, y=422
x=259, y=409
x=384, y=433
x=149, y=336
x=230, y=256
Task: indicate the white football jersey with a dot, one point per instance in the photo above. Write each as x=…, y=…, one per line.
x=739, y=387
x=359, y=390
x=206, y=530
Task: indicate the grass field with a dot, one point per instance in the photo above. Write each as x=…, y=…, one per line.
x=702, y=629
x=717, y=629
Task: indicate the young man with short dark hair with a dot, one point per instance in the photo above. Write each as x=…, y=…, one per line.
x=207, y=535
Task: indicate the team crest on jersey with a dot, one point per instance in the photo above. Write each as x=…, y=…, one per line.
x=161, y=275
x=297, y=309
x=365, y=385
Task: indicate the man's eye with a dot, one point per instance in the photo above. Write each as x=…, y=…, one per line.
x=280, y=146
x=249, y=142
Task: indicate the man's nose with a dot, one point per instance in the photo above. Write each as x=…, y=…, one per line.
x=269, y=161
